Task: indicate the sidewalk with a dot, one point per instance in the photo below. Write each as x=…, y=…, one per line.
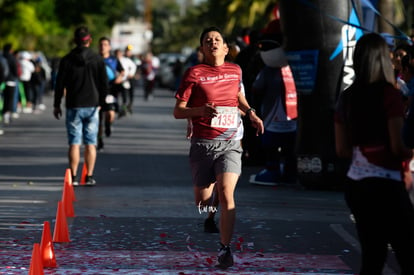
x=141, y=218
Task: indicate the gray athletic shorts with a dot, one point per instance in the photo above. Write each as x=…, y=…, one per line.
x=209, y=158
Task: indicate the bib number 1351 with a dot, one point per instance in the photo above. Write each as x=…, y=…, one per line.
x=226, y=117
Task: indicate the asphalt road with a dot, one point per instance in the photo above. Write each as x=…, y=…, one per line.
x=140, y=218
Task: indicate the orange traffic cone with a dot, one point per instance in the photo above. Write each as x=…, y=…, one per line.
x=68, y=181
x=61, y=231
x=46, y=247
x=68, y=201
x=84, y=174
x=36, y=265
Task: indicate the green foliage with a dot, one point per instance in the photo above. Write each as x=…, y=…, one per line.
x=229, y=15
x=28, y=24
x=48, y=25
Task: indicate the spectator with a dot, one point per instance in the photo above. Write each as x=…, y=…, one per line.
x=407, y=71
x=38, y=83
x=400, y=51
x=4, y=69
x=11, y=83
x=407, y=75
x=250, y=62
x=177, y=72
x=276, y=88
x=4, y=73
x=368, y=124
x=82, y=78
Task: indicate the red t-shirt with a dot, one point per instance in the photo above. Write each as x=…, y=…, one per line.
x=219, y=85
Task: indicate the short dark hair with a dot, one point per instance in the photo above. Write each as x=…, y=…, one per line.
x=104, y=38
x=82, y=35
x=210, y=29
x=7, y=48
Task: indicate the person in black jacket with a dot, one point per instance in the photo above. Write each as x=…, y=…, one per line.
x=11, y=81
x=82, y=78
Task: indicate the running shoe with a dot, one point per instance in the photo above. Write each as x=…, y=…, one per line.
x=100, y=144
x=90, y=181
x=210, y=226
x=265, y=177
x=224, y=258
x=75, y=182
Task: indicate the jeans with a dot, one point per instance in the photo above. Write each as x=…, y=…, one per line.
x=82, y=124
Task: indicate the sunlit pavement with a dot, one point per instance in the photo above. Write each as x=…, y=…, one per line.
x=141, y=218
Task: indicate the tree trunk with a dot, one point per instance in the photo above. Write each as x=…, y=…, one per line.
x=386, y=8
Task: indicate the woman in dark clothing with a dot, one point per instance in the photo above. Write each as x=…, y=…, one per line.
x=368, y=124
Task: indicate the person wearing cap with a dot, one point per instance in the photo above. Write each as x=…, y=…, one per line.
x=27, y=69
x=210, y=95
x=127, y=82
x=274, y=87
x=132, y=77
x=82, y=79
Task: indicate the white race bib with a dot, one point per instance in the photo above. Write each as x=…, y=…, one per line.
x=109, y=99
x=227, y=117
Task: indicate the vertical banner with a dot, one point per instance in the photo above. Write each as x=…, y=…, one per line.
x=319, y=44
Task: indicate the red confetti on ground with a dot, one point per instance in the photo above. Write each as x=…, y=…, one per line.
x=127, y=262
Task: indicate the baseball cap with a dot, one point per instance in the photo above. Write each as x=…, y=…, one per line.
x=82, y=34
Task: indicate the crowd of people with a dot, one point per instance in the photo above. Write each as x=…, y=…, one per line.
x=26, y=76
x=23, y=82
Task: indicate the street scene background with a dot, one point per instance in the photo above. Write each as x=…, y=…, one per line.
x=140, y=218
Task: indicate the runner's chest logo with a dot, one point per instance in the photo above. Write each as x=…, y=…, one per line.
x=218, y=78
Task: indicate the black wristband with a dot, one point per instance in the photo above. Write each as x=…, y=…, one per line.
x=250, y=110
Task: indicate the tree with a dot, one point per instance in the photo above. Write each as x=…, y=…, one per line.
x=48, y=25
x=229, y=15
x=395, y=12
